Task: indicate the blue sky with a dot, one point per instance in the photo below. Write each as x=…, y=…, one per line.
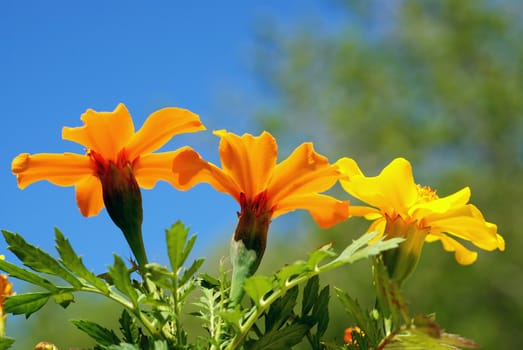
x=59, y=58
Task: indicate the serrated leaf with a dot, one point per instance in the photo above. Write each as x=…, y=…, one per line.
x=74, y=263
x=129, y=328
x=120, y=275
x=101, y=334
x=176, y=237
x=6, y=342
x=63, y=299
x=188, y=273
x=292, y=270
x=257, y=286
x=320, y=254
x=281, y=309
x=233, y=316
x=360, y=316
x=310, y=294
x=27, y=303
x=284, y=338
x=36, y=259
x=28, y=276
x=320, y=311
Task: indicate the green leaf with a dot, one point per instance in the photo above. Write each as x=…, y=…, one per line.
x=320, y=311
x=37, y=259
x=187, y=274
x=74, y=263
x=281, y=309
x=360, y=316
x=176, y=237
x=120, y=275
x=27, y=303
x=28, y=276
x=289, y=271
x=129, y=328
x=257, y=287
x=123, y=346
x=284, y=338
x=362, y=248
x=310, y=294
x=320, y=254
x=6, y=342
x=160, y=345
x=101, y=334
x=63, y=298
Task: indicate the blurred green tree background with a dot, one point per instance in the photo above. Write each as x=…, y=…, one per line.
x=439, y=83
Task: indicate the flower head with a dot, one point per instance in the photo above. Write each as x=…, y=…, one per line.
x=263, y=188
x=399, y=207
x=348, y=335
x=117, y=162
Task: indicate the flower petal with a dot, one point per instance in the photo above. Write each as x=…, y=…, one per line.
x=152, y=167
x=60, y=169
x=160, y=127
x=463, y=255
x=303, y=172
x=248, y=159
x=103, y=132
x=89, y=196
x=325, y=210
x=466, y=223
x=443, y=204
x=190, y=169
x=393, y=189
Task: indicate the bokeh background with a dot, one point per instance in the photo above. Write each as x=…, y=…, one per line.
x=438, y=82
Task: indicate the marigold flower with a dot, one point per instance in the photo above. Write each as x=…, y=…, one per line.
x=6, y=289
x=118, y=161
x=263, y=189
x=348, y=338
x=399, y=207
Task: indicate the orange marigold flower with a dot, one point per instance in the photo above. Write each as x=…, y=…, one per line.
x=348, y=338
x=110, y=139
x=399, y=207
x=263, y=188
x=117, y=162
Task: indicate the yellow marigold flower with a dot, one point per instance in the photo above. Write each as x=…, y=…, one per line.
x=110, y=140
x=401, y=208
x=263, y=188
x=117, y=162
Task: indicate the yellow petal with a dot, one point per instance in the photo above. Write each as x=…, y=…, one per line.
x=393, y=189
x=160, y=127
x=248, y=159
x=151, y=168
x=325, y=210
x=89, y=196
x=443, y=204
x=60, y=169
x=303, y=172
x=462, y=224
x=190, y=169
x=367, y=212
x=349, y=167
x=463, y=255
x=107, y=133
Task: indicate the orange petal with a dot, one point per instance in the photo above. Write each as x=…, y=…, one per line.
x=151, y=168
x=60, y=169
x=325, y=210
x=160, y=127
x=303, y=172
x=89, y=196
x=104, y=132
x=248, y=159
x=190, y=169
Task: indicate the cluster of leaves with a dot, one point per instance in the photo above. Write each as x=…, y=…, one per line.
x=271, y=318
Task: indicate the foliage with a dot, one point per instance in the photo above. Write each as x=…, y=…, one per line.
x=438, y=82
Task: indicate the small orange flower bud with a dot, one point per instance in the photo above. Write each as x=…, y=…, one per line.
x=347, y=338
